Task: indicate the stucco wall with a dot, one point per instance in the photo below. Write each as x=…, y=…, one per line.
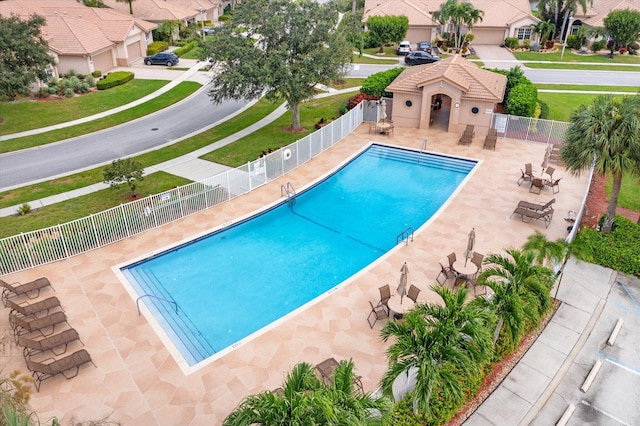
x=481, y=120
x=80, y=64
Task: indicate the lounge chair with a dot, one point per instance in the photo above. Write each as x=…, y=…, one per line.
x=490, y=140
x=413, y=293
x=539, y=207
x=447, y=273
x=469, y=130
x=28, y=289
x=385, y=295
x=45, y=325
x=42, y=371
x=538, y=184
x=527, y=215
x=60, y=340
x=378, y=312
x=465, y=139
x=554, y=185
x=31, y=309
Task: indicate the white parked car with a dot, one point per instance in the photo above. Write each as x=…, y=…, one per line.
x=403, y=48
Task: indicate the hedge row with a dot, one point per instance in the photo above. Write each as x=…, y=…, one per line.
x=157, y=47
x=114, y=79
x=186, y=48
x=523, y=100
x=375, y=84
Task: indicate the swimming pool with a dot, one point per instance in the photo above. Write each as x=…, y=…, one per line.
x=235, y=281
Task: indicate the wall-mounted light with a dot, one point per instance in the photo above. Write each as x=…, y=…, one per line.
x=457, y=105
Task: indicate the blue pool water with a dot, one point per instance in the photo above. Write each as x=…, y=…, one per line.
x=234, y=282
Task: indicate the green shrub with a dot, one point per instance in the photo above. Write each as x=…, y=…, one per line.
x=526, y=44
x=617, y=250
x=512, y=42
x=68, y=92
x=23, y=209
x=544, y=109
x=97, y=73
x=573, y=42
x=376, y=84
x=523, y=100
x=598, y=45
x=186, y=48
x=114, y=79
x=157, y=47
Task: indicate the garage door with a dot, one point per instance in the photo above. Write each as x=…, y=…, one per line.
x=134, y=51
x=488, y=36
x=103, y=62
x=416, y=35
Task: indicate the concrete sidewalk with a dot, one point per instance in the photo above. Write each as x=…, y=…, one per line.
x=547, y=380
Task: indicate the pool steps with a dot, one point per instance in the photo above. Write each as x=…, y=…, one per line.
x=431, y=160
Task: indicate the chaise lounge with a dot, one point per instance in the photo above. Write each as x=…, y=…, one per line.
x=42, y=371
x=28, y=325
x=60, y=340
x=538, y=207
x=527, y=215
x=28, y=289
x=31, y=309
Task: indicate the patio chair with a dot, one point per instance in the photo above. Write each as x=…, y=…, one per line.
x=413, y=293
x=452, y=259
x=373, y=127
x=28, y=289
x=490, y=140
x=477, y=259
x=378, y=312
x=554, y=185
x=549, y=171
x=527, y=174
x=42, y=371
x=538, y=184
x=31, y=309
x=45, y=325
x=60, y=340
x=537, y=206
x=527, y=215
x=447, y=273
x=385, y=295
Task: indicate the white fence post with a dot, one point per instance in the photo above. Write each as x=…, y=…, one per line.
x=64, y=243
x=27, y=249
x=124, y=218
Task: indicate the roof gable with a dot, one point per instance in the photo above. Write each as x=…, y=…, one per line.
x=594, y=17
x=474, y=83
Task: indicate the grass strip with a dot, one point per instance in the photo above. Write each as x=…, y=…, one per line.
x=587, y=87
x=274, y=136
x=26, y=114
x=629, y=197
x=578, y=66
x=85, y=205
x=569, y=56
x=171, y=97
x=561, y=105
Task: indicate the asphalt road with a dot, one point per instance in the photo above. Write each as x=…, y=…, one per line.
x=42, y=163
x=88, y=151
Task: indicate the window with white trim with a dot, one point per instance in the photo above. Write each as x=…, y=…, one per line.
x=524, y=33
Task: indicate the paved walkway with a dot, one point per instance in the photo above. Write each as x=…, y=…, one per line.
x=548, y=380
x=496, y=56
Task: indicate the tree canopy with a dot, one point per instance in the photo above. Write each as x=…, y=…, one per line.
x=282, y=48
x=606, y=133
x=623, y=26
x=457, y=15
x=387, y=29
x=24, y=55
x=559, y=11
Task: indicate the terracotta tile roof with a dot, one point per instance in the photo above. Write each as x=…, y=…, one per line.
x=475, y=83
x=497, y=13
x=157, y=10
x=74, y=29
x=594, y=17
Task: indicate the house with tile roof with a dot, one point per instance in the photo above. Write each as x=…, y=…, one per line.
x=595, y=14
x=455, y=89
x=85, y=39
x=502, y=18
x=159, y=11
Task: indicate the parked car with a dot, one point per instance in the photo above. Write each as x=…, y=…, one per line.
x=425, y=46
x=164, y=58
x=403, y=48
x=209, y=31
x=417, y=57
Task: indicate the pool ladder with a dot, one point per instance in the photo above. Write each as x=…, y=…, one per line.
x=289, y=191
x=155, y=297
x=405, y=235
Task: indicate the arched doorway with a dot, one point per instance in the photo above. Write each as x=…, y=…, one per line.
x=440, y=112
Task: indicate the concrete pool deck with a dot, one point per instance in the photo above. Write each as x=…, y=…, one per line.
x=137, y=381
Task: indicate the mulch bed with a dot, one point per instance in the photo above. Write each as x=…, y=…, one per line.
x=501, y=370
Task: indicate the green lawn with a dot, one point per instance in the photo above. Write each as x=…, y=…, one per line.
x=562, y=104
x=83, y=206
x=629, y=192
x=574, y=57
x=585, y=87
x=171, y=97
x=26, y=114
x=274, y=136
x=583, y=67
x=357, y=59
x=79, y=180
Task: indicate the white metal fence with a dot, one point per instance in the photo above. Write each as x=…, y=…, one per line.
x=529, y=129
x=59, y=242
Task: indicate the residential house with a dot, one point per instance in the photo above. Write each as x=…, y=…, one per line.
x=454, y=89
x=501, y=19
x=85, y=39
x=159, y=11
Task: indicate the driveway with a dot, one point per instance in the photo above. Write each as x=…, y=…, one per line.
x=496, y=56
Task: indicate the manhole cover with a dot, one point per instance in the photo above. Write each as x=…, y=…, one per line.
x=154, y=129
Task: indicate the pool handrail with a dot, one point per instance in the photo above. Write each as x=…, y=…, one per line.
x=155, y=297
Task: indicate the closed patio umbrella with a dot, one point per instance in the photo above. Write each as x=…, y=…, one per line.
x=402, y=287
x=470, y=243
x=404, y=383
x=383, y=113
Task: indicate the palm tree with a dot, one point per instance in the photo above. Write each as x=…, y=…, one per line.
x=130, y=6
x=305, y=400
x=546, y=29
x=432, y=337
x=545, y=250
x=605, y=133
x=456, y=15
x=521, y=290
